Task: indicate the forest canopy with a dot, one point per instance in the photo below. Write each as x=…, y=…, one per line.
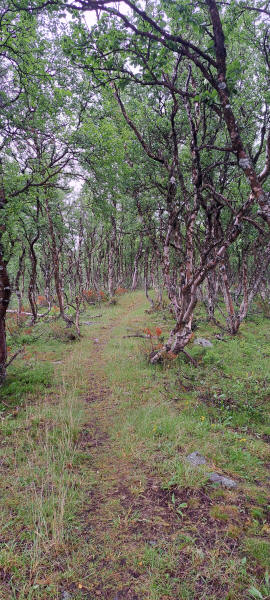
x=135, y=151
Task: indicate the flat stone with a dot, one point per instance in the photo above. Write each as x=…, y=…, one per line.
x=196, y=459
x=221, y=480
x=203, y=342
x=66, y=596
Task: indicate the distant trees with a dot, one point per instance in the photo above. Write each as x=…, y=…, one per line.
x=161, y=114
x=185, y=97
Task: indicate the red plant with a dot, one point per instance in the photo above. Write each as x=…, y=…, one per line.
x=92, y=295
x=119, y=291
x=41, y=301
x=148, y=331
x=158, y=331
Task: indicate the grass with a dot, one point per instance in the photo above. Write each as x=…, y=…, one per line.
x=98, y=500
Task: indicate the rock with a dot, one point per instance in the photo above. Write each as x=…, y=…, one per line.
x=223, y=481
x=203, y=342
x=196, y=459
x=66, y=596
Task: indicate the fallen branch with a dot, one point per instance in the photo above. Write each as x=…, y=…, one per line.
x=23, y=312
x=190, y=358
x=39, y=315
x=137, y=335
x=218, y=324
x=14, y=356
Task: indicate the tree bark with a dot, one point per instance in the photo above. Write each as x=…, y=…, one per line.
x=17, y=284
x=5, y=291
x=33, y=280
x=136, y=266
x=56, y=266
x=111, y=259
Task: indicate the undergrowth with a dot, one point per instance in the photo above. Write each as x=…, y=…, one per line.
x=211, y=542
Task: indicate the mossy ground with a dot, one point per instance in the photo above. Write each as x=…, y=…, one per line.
x=97, y=500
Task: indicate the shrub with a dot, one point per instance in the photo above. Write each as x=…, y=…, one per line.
x=60, y=332
x=42, y=301
x=120, y=291
x=92, y=296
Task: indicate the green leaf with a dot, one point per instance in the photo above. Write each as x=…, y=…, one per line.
x=255, y=593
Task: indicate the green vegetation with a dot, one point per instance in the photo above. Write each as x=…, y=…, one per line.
x=134, y=155
x=98, y=498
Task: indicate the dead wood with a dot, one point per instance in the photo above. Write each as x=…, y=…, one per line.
x=14, y=356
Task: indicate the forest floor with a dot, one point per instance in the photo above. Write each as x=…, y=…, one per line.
x=98, y=500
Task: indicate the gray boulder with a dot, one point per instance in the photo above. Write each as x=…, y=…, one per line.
x=221, y=480
x=196, y=459
x=203, y=342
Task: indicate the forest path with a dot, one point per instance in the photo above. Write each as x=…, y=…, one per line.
x=98, y=501
x=126, y=507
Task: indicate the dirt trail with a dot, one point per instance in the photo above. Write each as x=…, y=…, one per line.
x=137, y=546
x=126, y=509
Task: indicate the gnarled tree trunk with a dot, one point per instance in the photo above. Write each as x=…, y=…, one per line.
x=17, y=283
x=5, y=290
x=56, y=266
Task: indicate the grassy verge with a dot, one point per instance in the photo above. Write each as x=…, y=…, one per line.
x=42, y=413
x=97, y=493
x=221, y=410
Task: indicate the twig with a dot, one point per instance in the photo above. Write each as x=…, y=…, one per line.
x=136, y=335
x=218, y=324
x=191, y=359
x=39, y=315
x=14, y=356
x=23, y=312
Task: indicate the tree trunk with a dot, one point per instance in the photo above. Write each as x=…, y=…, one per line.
x=181, y=334
x=111, y=259
x=136, y=266
x=212, y=288
x=232, y=320
x=5, y=290
x=56, y=266
x=33, y=280
x=5, y=293
x=17, y=283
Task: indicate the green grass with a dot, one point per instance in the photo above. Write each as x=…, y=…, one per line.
x=168, y=533
x=220, y=408
x=23, y=382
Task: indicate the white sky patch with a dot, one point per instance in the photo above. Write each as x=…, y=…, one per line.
x=91, y=15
